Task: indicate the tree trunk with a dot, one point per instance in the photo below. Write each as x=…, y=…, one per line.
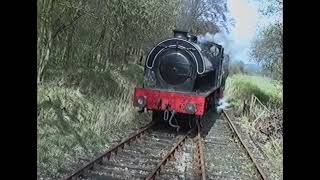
x=67, y=58
x=45, y=60
x=45, y=49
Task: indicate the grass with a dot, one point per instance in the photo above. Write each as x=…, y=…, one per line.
x=82, y=117
x=240, y=88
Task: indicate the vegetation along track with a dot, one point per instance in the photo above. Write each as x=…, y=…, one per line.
x=155, y=152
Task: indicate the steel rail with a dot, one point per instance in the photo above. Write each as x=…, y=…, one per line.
x=232, y=126
x=200, y=154
x=108, y=153
x=169, y=155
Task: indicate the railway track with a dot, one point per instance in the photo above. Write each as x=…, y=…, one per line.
x=227, y=155
x=154, y=152
x=148, y=154
x=261, y=173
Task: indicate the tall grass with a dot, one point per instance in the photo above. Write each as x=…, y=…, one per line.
x=81, y=117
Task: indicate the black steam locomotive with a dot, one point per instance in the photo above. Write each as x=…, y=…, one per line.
x=183, y=76
x=184, y=64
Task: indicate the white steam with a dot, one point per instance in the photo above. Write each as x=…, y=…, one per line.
x=224, y=39
x=223, y=104
x=237, y=43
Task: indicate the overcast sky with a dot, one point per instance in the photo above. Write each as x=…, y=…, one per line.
x=247, y=21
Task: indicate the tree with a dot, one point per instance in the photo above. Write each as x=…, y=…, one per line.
x=271, y=8
x=267, y=48
x=82, y=35
x=89, y=35
x=202, y=16
x=237, y=67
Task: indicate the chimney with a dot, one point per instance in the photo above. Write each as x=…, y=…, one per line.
x=193, y=39
x=181, y=34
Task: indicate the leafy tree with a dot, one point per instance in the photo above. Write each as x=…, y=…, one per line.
x=83, y=35
x=267, y=48
x=202, y=16
x=271, y=7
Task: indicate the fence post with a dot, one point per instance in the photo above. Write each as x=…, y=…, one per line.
x=246, y=108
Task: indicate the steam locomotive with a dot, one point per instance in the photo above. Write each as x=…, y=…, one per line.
x=183, y=76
